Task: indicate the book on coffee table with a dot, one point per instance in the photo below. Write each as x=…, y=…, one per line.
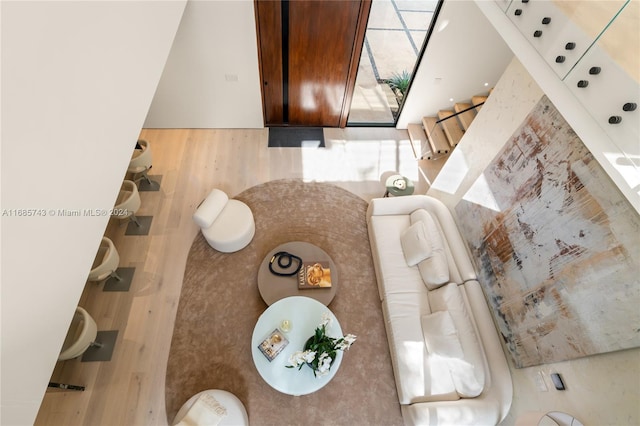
x=273, y=344
x=316, y=274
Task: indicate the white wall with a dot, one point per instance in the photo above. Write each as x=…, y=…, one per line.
x=77, y=81
x=463, y=54
x=217, y=40
x=212, y=77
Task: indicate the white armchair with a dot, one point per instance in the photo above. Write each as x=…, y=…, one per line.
x=227, y=224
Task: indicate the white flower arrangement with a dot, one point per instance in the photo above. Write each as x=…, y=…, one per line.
x=321, y=344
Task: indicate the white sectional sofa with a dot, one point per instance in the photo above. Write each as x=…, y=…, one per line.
x=448, y=362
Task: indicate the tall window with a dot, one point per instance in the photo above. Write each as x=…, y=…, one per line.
x=393, y=42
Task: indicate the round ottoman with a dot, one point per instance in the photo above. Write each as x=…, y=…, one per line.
x=236, y=413
x=233, y=229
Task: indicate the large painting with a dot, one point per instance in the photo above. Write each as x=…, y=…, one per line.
x=557, y=246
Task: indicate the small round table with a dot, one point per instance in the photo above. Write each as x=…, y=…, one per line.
x=304, y=315
x=273, y=287
x=405, y=188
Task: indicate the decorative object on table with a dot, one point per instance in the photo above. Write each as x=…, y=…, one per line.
x=320, y=349
x=398, y=185
x=274, y=287
x=314, y=275
x=273, y=344
x=288, y=264
x=285, y=326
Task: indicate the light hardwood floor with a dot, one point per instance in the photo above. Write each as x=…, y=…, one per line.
x=129, y=389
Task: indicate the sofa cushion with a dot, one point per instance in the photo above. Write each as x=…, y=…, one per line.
x=419, y=378
x=445, y=349
x=210, y=208
x=392, y=273
x=449, y=298
x=434, y=269
x=416, y=246
x=440, y=335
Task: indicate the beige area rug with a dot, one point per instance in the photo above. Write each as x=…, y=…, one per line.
x=220, y=304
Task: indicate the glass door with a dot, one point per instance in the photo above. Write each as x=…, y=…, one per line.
x=394, y=38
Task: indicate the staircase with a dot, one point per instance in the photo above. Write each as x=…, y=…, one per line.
x=437, y=136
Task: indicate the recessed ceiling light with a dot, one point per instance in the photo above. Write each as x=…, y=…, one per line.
x=450, y=99
x=486, y=84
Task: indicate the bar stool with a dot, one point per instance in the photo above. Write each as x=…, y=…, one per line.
x=128, y=202
x=140, y=164
x=106, y=262
x=81, y=335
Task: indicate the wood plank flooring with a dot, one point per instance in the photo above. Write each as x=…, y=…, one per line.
x=129, y=389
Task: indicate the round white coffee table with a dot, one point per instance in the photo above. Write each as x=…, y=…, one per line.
x=304, y=315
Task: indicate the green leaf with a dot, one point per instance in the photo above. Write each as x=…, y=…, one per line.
x=400, y=81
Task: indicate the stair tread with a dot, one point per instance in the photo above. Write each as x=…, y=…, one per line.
x=437, y=138
x=478, y=100
x=466, y=117
x=451, y=127
x=419, y=141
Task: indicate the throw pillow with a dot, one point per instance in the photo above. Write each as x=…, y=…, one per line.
x=415, y=245
x=206, y=410
x=434, y=269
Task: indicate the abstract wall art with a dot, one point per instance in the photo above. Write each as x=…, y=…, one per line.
x=557, y=246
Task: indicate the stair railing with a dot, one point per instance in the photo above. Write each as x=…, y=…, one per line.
x=460, y=112
x=433, y=155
